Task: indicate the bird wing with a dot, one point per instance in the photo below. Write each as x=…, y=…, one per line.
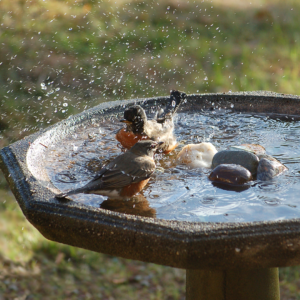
x=153, y=129
x=176, y=98
x=123, y=171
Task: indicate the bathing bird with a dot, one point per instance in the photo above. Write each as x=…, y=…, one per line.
x=125, y=176
x=138, y=127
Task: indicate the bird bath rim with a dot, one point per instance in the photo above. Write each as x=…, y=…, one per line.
x=183, y=244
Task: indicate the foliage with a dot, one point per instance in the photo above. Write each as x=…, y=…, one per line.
x=60, y=57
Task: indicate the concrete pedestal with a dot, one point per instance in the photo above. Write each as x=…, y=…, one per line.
x=232, y=285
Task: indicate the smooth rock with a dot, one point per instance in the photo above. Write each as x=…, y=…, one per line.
x=269, y=167
x=268, y=157
x=230, y=174
x=231, y=187
x=238, y=157
x=197, y=155
x=253, y=148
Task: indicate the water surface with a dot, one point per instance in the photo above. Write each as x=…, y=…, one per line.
x=176, y=192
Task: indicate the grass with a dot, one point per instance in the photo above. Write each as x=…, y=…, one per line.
x=60, y=57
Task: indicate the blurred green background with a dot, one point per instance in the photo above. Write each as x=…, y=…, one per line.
x=60, y=57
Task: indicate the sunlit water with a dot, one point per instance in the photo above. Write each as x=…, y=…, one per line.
x=178, y=193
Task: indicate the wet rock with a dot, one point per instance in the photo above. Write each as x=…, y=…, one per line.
x=231, y=187
x=254, y=148
x=268, y=157
x=246, y=159
x=269, y=167
x=230, y=174
x=197, y=155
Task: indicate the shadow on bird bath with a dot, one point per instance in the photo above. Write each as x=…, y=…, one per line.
x=188, y=231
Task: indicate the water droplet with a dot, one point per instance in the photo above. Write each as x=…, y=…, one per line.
x=43, y=86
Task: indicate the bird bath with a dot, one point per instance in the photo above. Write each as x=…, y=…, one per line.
x=226, y=257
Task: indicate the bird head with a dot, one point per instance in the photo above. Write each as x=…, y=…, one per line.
x=135, y=118
x=146, y=147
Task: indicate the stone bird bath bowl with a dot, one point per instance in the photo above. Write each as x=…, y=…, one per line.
x=224, y=260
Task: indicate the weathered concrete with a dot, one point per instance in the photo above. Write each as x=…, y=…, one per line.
x=214, y=246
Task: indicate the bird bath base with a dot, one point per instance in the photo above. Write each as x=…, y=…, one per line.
x=223, y=260
x=232, y=284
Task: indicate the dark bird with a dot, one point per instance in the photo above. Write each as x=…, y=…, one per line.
x=138, y=127
x=125, y=176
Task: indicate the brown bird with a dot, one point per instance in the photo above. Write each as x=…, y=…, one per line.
x=125, y=176
x=159, y=129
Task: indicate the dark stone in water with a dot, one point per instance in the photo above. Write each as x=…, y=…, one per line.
x=244, y=158
x=269, y=167
x=230, y=174
x=231, y=187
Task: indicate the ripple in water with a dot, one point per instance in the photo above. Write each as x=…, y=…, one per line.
x=177, y=193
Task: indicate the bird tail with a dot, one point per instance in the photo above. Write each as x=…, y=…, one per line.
x=72, y=192
x=94, y=185
x=176, y=98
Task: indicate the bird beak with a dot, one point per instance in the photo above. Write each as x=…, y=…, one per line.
x=159, y=144
x=156, y=144
x=125, y=121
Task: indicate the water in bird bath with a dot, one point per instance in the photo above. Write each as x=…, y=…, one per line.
x=176, y=192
